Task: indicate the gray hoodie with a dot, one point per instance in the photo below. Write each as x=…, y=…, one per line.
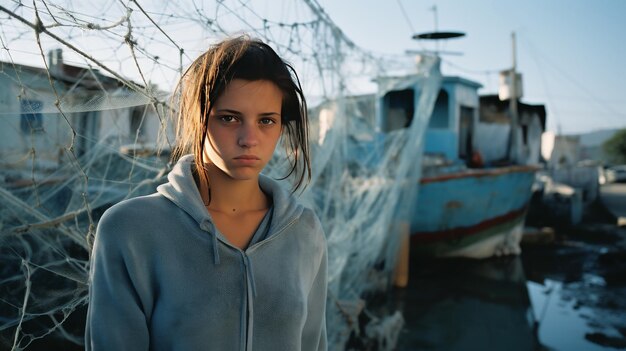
x=163, y=278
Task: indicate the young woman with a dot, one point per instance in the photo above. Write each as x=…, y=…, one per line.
x=220, y=258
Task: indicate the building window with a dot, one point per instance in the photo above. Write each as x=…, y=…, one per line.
x=137, y=123
x=31, y=120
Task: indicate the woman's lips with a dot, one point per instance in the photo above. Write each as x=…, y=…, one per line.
x=247, y=159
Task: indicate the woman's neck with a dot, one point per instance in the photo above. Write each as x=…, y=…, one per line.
x=232, y=196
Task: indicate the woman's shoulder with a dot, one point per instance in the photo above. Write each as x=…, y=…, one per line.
x=132, y=216
x=142, y=207
x=310, y=224
x=310, y=218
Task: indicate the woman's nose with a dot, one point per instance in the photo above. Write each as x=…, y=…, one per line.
x=248, y=136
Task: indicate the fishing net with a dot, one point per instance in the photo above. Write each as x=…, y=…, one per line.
x=84, y=90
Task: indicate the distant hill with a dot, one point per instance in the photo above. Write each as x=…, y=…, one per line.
x=591, y=144
x=596, y=138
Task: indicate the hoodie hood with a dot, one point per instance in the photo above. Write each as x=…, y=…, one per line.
x=181, y=189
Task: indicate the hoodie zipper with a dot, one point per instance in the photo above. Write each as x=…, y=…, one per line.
x=245, y=314
x=251, y=285
x=250, y=295
x=247, y=323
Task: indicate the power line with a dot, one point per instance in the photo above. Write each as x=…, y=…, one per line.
x=603, y=106
x=406, y=16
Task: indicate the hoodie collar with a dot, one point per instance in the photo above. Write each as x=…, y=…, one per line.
x=181, y=189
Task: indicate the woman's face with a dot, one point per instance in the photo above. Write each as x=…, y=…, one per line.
x=244, y=127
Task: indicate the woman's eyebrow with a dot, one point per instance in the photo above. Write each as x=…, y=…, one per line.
x=235, y=112
x=269, y=114
x=227, y=110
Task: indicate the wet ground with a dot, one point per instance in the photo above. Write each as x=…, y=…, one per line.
x=568, y=294
x=467, y=305
x=578, y=288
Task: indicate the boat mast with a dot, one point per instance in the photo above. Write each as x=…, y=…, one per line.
x=513, y=105
x=434, y=9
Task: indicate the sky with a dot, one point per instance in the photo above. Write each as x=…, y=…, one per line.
x=571, y=53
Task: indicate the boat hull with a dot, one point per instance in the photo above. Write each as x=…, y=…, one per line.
x=472, y=213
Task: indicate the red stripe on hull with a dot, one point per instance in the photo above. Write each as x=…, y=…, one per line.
x=457, y=233
x=477, y=173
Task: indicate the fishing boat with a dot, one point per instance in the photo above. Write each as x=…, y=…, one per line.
x=477, y=156
x=480, y=156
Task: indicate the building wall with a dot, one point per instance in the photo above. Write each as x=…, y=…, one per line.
x=138, y=124
x=24, y=130
x=535, y=130
x=491, y=141
x=566, y=151
x=30, y=123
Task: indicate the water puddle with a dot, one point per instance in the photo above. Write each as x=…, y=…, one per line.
x=566, y=324
x=490, y=305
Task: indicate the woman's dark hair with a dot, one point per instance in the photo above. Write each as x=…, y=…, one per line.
x=205, y=81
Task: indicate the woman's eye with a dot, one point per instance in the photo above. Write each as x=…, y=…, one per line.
x=267, y=121
x=227, y=119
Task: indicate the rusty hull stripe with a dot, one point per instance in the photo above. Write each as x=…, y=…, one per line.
x=476, y=173
x=456, y=233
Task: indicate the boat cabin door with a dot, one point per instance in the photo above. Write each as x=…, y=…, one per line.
x=466, y=132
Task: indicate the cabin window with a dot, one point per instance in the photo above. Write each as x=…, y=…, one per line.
x=31, y=120
x=399, y=108
x=440, y=117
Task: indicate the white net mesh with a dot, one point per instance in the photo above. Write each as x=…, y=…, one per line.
x=83, y=125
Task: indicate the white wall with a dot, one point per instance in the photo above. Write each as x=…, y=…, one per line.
x=534, y=140
x=16, y=146
x=565, y=152
x=491, y=140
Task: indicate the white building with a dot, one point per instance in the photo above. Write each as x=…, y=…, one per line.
x=48, y=116
x=493, y=135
